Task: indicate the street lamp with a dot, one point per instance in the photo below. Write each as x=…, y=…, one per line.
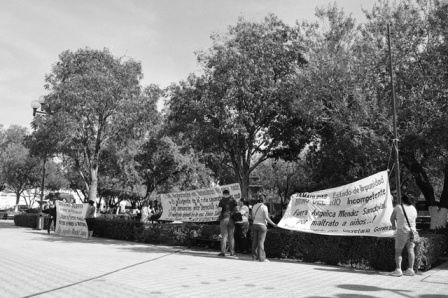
x=35, y=104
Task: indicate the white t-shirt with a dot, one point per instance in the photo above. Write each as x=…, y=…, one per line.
x=259, y=214
x=411, y=212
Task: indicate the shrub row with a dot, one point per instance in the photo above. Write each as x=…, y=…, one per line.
x=123, y=229
x=359, y=252
x=29, y=220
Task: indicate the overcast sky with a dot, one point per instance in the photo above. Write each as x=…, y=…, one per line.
x=162, y=34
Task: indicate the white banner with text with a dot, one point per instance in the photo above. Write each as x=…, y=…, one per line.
x=362, y=208
x=70, y=219
x=199, y=205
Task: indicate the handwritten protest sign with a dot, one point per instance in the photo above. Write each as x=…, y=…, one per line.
x=362, y=208
x=196, y=205
x=70, y=219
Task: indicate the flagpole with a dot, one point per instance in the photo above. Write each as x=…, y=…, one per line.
x=394, y=107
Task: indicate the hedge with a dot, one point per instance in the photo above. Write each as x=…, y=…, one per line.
x=123, y=229
x=29, y=220
x=358, y=252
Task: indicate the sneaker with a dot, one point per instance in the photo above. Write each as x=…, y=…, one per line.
x=221, y=254
x=265, y=260
x=396, y=273
x=409, y=272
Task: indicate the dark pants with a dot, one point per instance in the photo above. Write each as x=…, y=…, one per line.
x=241, y=236
x=50, y=220
x=90, y=224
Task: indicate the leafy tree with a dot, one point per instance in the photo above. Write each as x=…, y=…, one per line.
x=245, y=104
x=283, y=178
x=352, y=128
x=19, y=170
x=95, y=99
x=165, y=166
x=419, y=54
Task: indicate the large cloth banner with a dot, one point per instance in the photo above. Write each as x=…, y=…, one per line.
x=70, y=219
x=199, y=205
x=362, y=208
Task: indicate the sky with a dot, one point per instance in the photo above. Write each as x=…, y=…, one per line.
x=162, y=34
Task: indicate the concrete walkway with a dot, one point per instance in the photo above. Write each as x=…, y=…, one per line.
x=34, y=264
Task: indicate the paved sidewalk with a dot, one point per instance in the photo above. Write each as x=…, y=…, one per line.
x=34, y=264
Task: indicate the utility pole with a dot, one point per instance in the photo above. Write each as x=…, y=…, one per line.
x=394, y=107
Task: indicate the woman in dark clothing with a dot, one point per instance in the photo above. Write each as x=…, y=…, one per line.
x=242, y=228
x=90, y=218
x=51, y=211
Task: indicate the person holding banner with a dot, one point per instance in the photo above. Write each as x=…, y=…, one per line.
x=51, y=211
x=260, y=217
x=403, y=234
x=90, y=218
x=227, y=206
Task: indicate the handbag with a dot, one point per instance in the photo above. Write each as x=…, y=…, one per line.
x=237, y=216
x=415, y=237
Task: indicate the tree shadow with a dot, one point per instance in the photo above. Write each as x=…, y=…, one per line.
x=348, y=270
x=343, y=295
x=365, y=288
x=8, y=224
x=128, y=245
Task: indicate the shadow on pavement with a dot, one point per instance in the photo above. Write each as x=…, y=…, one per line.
x=348, y=270
x=364, y=288
x=8, y=224
x=345, y=296
x=134, y=246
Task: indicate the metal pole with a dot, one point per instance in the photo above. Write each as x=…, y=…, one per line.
x=394, y=106
x=42, y=187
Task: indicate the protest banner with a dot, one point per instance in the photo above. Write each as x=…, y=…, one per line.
x=362, y=208
x=196, y=205
x=70, y=219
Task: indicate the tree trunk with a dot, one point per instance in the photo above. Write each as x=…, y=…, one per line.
x=244, y=184
x=93, y=187
x=424, y=184
x=442, y=213
x=16, y=208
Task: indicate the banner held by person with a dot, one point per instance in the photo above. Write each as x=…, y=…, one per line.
x=70, y=219
x=362, y=208
x=199, y=205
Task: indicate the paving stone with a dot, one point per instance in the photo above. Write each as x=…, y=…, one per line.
x=35, y=264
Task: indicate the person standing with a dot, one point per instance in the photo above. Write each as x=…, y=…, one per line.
x=144, y=213
x=51, y=211
x=90, y=218
x=403, y=234
x=226, y=207
x=242, y=227
x=260, y=217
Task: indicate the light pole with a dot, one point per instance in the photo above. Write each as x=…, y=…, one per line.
x=35, y=104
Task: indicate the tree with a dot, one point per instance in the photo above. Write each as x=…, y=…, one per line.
x=283, y=178
x=245, y=104
x=14, y=134
x=19, y=170
x=352, y=132
x=420, y=64
x=166, y=166
x=95, y=98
